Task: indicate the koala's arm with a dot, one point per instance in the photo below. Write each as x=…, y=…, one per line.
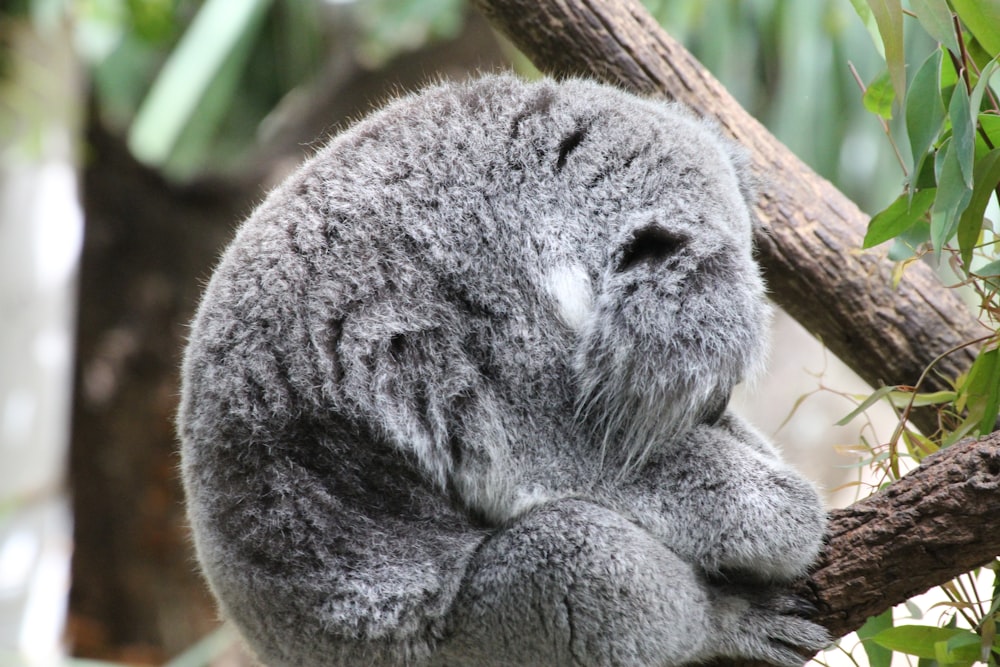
x=574, y=583
x=727, y=503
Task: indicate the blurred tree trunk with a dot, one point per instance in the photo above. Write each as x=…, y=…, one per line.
x=149, y=246
x=135, y=595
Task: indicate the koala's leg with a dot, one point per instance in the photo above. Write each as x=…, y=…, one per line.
x=572, y=583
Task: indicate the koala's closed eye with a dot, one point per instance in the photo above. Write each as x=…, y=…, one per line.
x=568, y=145
x=651, y=244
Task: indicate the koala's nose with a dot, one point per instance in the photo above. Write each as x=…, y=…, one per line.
x=651, y=244
x=715, y=408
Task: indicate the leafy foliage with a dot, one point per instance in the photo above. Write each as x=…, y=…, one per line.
x=192, y=82
x=949, y=115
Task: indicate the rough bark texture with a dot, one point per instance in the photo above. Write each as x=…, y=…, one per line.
x=810, y=250
x=937, y=522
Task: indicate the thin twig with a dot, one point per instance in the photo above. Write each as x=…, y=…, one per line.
x=882, y=122
x=898, y=432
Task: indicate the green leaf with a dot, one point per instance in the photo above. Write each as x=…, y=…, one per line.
x=989, y=270
x=872, y=399
x=865, y=14
x=952, y=195
x=963, y=132
x=889, y=18
x=985, y=178
x=982, y=17
x=188, y=74
x=950, y=650
x=976, y=98
x=984, y=390
x=919, y=446
x=935, y=17
x=949, y=78
x=906, y=244
x=923, y=641
x=898, y=217
x=990, y=124
x=878, y=656
x=879, y=95
x=899, y=399
x=924, y=110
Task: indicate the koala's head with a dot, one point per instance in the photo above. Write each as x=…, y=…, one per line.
x=487, y=265
x=609, y=231
x=657, y=282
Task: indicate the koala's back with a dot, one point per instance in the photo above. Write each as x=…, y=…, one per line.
x=321, y=357
x=377, y=373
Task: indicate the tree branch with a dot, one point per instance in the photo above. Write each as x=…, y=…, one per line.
x=935, y=523
x=810, y=249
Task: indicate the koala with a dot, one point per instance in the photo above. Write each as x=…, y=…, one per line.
x=457, y=392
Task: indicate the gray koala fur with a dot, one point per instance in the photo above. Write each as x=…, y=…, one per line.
x=456, y=395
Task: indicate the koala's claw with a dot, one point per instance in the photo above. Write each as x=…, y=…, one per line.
x=794, y=605
x=788, y=641
x=772, y=628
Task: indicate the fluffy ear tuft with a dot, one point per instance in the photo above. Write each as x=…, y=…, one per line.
x=751, y=181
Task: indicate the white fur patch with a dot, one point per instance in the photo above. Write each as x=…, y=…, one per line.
x=570, y=287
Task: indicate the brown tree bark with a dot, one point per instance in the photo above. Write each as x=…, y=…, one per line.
x=935, y=523
x=810, y=249
x=940, y=520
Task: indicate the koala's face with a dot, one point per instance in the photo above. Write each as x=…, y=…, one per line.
x=652, y=272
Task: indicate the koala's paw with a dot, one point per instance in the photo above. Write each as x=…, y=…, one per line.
x=770, y=627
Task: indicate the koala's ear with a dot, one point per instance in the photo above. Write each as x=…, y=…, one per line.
x=750, y=183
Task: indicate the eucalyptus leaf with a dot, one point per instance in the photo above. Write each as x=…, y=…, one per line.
x=976, y=98
x=953, y=194
x=963, y=132
x=864, y=12
x=989, y=270
x=935, y=17
x=924, y=111
x=986, y=177
x=879, y=95
x=889, y=17
x=878, y=656
x=905, y=246
x=922, y=641
x=898, y=217
x=990, y=124
x=983, y=390
x=949, y=79
x=872, y=399
x=982, y=17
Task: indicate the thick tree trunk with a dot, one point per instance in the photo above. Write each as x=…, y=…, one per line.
x=136, y=595
x=944, y=518
x=813, y=233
